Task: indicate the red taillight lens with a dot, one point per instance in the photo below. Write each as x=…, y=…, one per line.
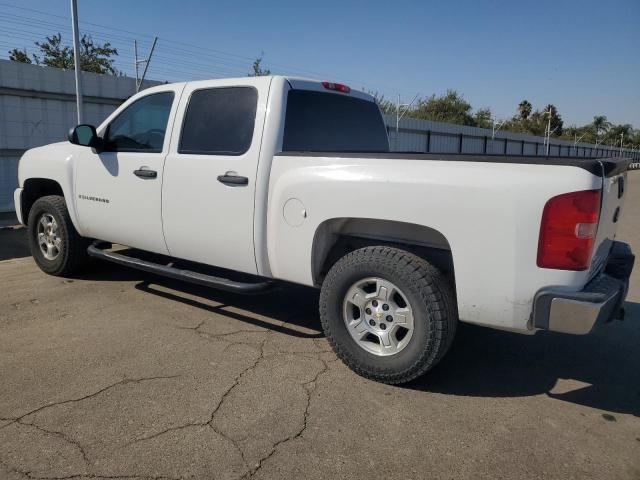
x=338, y=87
x=568, y=229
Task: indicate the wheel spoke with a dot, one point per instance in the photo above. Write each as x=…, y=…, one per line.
x=50, y=250
x=41, y=239
x=404, y=317
x=359, y=328
x=57, y=242
x=43, y=222
x=358, y=297
x=387, y=340
x=383, y=290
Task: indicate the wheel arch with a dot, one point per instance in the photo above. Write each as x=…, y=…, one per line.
x=336, y=237
x=35, y=188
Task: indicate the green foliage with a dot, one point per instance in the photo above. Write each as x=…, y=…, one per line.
x=21, y=56
x=450, y=107
x=482, y=118
x=257, y=70
x=53, y=53
x=386, y=106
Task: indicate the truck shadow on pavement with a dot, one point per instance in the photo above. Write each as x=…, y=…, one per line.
x=293, y=308
x=602, y=370
x=13, y=243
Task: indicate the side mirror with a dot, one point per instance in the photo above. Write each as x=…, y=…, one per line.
x=84, y=135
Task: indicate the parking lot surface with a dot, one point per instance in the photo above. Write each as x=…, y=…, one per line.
x=120, y=374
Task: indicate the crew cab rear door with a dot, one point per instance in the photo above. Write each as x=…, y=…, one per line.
x=210, y=173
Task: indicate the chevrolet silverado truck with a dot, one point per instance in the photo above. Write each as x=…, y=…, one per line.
x=288, y=179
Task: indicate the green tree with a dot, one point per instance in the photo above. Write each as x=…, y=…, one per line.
x=482, y=118
x=450, y=107
x=94, y=57
x=524, y=109
x=21, y=56
x=386, y=106
x=600, y=125
x=257, y=70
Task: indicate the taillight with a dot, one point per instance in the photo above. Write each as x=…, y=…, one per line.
x=568, y=230
x=338, y=87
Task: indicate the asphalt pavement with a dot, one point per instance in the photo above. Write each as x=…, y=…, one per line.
x=121, y=374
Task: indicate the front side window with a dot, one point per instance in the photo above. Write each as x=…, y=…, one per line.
x=219, y=121
x=141, y=126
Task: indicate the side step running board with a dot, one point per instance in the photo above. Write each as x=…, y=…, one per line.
x=180, y=274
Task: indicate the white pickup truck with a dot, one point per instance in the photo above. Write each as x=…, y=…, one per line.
x=292, y=179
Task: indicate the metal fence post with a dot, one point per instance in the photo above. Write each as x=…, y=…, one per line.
x=484, y=146
x=460, y=143
x=428, y=141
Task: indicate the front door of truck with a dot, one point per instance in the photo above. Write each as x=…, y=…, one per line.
x=210, y=173
x=119, y=188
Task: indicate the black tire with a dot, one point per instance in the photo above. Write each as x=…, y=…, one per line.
x=429, y=294
x=72, y=256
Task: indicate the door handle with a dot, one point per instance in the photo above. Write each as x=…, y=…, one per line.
x=144, y=173
x=233, y=180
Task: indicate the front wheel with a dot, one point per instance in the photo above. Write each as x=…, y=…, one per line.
x=55, y=244
x=389, y=314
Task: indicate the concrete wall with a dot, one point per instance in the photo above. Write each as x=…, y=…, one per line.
x=37, y=107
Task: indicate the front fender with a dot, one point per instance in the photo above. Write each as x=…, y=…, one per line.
x=53, y=162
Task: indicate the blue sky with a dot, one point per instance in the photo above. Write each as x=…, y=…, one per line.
x=582, y=56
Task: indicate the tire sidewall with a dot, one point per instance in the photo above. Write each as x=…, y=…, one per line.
x=40, y=207
x=422, y=341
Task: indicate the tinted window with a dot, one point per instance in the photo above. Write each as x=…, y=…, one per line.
x=327, y=122
x=219, y=121
x=141, y=126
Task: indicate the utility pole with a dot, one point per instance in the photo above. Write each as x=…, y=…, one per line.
x=494, y=130
x=76, y=58
x=145, y=61
x=575, y=143
x=135, y=61
x=548, y=132
x=621, y=140
x=399, y=116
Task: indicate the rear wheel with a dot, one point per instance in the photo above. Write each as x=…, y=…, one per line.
x=389, y=315
x=55, y=244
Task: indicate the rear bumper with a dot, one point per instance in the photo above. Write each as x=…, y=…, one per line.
x=17, y=202
x=601, y=300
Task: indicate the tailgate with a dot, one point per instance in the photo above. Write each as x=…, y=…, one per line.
x=613, y=193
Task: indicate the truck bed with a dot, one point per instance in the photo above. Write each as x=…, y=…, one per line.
x=610, y=166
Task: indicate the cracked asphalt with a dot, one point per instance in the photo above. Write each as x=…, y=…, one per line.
x=120, y=374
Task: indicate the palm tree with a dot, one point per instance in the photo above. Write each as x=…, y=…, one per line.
x=600, y=124
x=524, y=108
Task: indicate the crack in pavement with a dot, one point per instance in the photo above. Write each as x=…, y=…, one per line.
x=310, y=387
x=224, y=396
x=29, y=474
x=124, y=381
x=77, y=445
x=61, y=435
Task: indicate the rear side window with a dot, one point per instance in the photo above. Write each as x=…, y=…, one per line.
x=219, y=121
x=327, y=122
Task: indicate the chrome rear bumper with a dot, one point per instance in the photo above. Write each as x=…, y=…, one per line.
x=601, y=300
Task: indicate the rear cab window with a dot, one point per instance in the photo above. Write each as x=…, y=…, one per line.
x=329, y=122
